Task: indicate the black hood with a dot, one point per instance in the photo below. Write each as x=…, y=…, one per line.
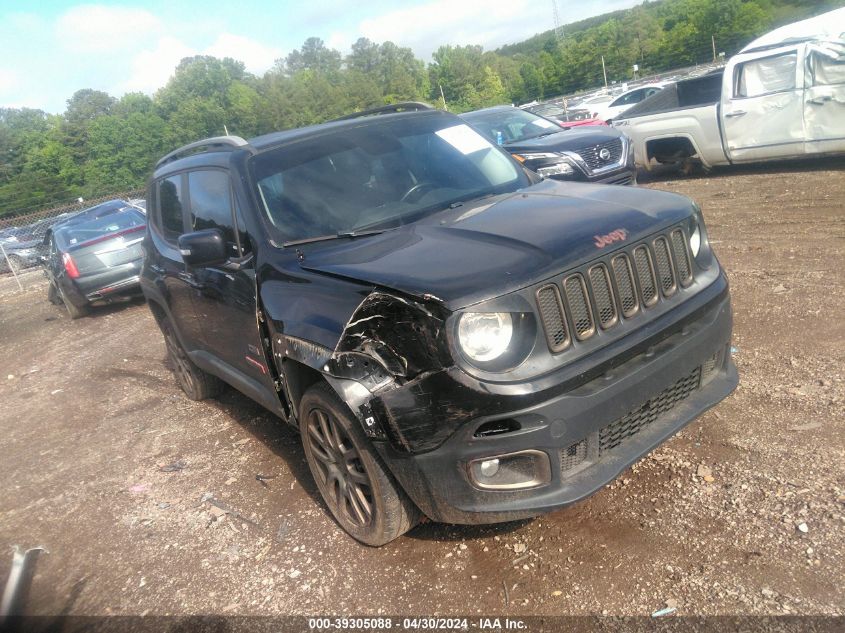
x=481, y=251
x=566, y=140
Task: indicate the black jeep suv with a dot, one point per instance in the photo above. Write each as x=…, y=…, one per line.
x=453, y=336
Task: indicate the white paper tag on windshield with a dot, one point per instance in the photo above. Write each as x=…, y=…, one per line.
x=463, y=138
x=544, y=123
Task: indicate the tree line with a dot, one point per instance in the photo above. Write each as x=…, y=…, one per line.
x=102, y=144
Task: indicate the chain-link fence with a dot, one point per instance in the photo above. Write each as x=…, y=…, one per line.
x=22, y=238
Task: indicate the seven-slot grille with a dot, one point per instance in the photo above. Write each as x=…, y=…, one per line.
x=592, y=154
x=621, y=286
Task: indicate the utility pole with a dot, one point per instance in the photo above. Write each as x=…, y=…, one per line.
x=445, y=107
x=713, y=41
x=604, y=72
x=558, y=32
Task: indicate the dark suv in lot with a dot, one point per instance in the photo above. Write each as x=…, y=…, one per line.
x=452, y=335
x=589, y=153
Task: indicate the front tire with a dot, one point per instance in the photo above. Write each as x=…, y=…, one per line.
x=361, y=494
x=196, y=383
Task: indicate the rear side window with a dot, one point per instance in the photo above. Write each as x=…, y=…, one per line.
x=765, y=76
x=211, y=205
x=170, y=205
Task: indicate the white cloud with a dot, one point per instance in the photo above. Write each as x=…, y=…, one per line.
x=257, y=57
x=93, y=28
x=152, y=68
x=9, y=81
x=487, y=22
x=340, y=41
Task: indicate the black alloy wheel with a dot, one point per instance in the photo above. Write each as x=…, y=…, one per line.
x=339, y=467
x=360, y=492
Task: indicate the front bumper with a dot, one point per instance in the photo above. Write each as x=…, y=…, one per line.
x=623, y=171
x=590, y=433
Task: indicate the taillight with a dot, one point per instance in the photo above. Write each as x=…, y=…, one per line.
x=70, y=266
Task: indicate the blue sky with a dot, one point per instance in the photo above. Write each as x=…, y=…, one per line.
x=51, y=48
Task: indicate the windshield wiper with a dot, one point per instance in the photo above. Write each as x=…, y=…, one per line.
x=335, y=236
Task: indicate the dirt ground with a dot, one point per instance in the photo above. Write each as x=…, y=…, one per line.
x=108, y=466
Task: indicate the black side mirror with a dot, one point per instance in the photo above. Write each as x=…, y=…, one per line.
x=203, y=248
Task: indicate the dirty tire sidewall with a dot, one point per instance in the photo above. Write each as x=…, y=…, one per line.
x=53, y=295
x=74, y=311
x=196, y=383
x=394, y=513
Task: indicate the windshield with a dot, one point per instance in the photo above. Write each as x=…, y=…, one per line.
x=512, y=123
x=97, y=228
x=378, y=174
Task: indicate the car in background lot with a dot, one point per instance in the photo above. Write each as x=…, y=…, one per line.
x=781, y=97
x=608, y=110
x=24, y=245
x=94, y=255
x=567, y=118
x=589, y=154
x=19, y=253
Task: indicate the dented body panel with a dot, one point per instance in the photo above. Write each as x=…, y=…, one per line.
x=378, y=318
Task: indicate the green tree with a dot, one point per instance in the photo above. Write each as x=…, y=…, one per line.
x=314, y=55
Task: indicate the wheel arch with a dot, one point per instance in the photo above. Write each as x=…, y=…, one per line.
x=671, y=148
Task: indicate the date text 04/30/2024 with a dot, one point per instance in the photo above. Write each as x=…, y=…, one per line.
x=418, y=623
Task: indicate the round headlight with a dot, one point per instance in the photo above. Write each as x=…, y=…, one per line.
x=695, y=241
x=484, y=336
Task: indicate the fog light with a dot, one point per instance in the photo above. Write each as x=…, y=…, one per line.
x=489, y=467
x=526, y=469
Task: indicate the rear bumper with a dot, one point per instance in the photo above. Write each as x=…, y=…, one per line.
x=589, y=434
x=117, y=280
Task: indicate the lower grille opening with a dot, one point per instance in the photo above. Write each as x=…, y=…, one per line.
x=711, y=366
x=497, y=427
x=572, y=456
x=632, y=423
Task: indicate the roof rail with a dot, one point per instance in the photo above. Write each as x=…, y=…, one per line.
x=217, y=143
x=404, y=106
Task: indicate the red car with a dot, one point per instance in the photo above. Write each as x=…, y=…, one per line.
x=566, y=118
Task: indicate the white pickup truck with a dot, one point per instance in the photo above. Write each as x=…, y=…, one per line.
x=782, y=96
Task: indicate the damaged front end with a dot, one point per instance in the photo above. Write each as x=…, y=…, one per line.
x=390, y=346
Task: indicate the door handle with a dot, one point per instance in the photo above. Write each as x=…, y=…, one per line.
x=735, y=113
x=821, y=100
